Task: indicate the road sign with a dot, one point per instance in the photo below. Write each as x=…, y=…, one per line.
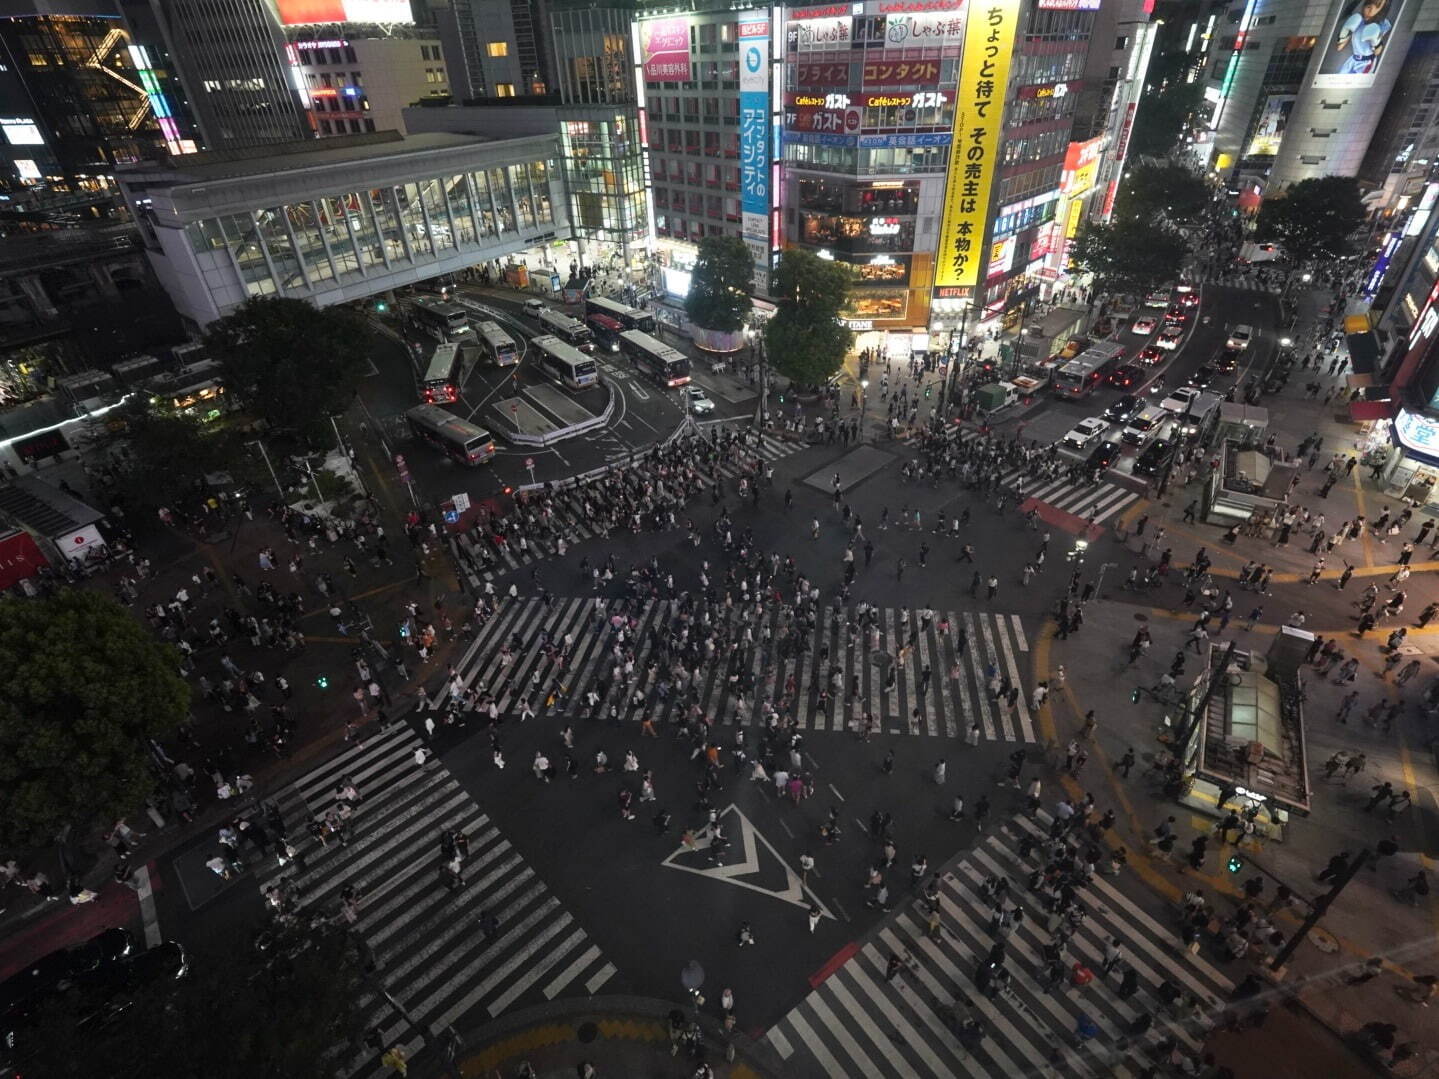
x=514, y=406
x=529, y=462
x=461, y=501
x=402, y=468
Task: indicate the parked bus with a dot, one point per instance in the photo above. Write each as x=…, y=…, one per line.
x=606, y=332
x=569, y=330
x=1081, y=375
x=667, y=366
x=631, y=318
x=441, y=318
x=499, y=347
x=459, y=439
x=564, y=363
x=441, y=381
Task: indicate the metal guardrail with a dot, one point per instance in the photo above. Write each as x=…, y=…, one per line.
x=562, y=433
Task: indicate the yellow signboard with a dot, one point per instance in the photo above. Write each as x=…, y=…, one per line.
x=1076, y=214
x=974, y=156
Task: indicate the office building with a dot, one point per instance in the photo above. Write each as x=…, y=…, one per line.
x=359, y=84
x=1297, y=88
x=495, y=48
x=339, y=219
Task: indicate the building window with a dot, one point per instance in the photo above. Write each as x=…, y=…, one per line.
x=504, y=89
x=498, y=48
x=324, y=127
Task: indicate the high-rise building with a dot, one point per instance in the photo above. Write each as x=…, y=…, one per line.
x=495, y=48
x=78, y=95
x=1297, y=88
x=357, y=84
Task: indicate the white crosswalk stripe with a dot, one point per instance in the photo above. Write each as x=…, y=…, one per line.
x=850, y=671
x=431, y=954
x=859, y=1024
x=576, y=527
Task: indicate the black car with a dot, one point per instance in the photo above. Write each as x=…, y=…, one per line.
x=64, y=966
x=1126, y=376
x=1122, y=409
x=1155, y=458
x=1227, y=362
x=1202, y=377
x=1102, y=456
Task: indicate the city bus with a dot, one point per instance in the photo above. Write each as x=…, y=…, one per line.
x=667, y=366
x=631, y=318
x=499, y=347
x=441, y=380
x=606, y=332
x=564, y=363
x=442, y=318
x=1081, y=375
x=458, y=439
x=569, y=330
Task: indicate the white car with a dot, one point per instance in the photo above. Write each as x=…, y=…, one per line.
x=1178, y=400
x=1144, y=324
x=700, y=405
x=1170, y=337
x=1085, y=432
x=1159, y=298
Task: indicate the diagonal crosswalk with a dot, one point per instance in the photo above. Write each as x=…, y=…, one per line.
x=858, y=1023
x=732, y=688
x=431, y=954
x=576, y=527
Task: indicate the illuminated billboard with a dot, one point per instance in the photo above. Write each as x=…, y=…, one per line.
x=973, y=161
x=1273, y=121
x=1355, y=45
x=308, y=12
x=665, y=50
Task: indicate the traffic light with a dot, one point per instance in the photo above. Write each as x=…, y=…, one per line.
x=1235, y=863
x=381, y=306
x=1135, y=695
x=928, y=390
x=323, y=682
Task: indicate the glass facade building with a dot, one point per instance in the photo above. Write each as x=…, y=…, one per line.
x=329, y=226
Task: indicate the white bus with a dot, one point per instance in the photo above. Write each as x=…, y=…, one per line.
x=459, y=439
x=499, y=347
x=569, y=330
x=631, y=318
x=564, y=363
x=440, y=317
x=440, y=383
x=667, y=366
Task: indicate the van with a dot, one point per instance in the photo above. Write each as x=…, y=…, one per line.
x=533, y=308
x=1239, y=337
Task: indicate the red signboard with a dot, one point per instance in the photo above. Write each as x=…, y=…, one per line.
x=19, y=558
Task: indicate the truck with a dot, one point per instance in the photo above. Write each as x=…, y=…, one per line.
x=996, y=396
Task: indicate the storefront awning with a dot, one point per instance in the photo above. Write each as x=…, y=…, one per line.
x=1370, y=410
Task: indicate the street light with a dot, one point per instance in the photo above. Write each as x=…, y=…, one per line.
x=1285, y=342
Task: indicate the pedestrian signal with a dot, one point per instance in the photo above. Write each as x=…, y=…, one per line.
x=381, y=306
x=1235, y=863
x=928, y=390
x=1134, y=696
x=322, y=682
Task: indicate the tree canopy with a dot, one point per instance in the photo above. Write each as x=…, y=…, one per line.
x=719, y=286
x=238, y=1014
x=289, y=362
x=804, y=339
x=1129, y=255
x=170, y=455
x=1165, y=193
x=85, y=685
x=1313, y=219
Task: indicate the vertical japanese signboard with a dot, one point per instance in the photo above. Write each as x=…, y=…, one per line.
x=973, y=159
x=754, y=141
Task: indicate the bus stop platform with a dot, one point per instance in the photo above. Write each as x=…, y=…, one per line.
x=566, y=409
x=516, y=415
x=853, y=468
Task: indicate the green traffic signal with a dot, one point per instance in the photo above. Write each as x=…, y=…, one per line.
x=1235, y=863
x=322, y=682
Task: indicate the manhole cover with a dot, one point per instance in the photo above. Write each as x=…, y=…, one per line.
x=1325, y=942
x=587, y=1032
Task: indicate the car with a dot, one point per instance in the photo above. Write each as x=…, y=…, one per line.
x=533, y=308
x=1227, y=362
x=1157, y=298
x=1103, y=455
x=1169, y=338
x=1084, y=432
x=1126, y=376
x=699, y=404
x=1188, y=297
x=1122, y=409
x=1202, y=378
x=1176, y=313
x=1144, y=324
x=1179, y=400
x=1155, y=458
x=1152, y=354
x=60, y=968
x=1143, y=426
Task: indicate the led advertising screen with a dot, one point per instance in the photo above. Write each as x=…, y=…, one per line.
x=308, y=12
x=1355, y=45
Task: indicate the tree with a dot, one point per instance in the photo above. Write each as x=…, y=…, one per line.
x=1170, y=193
x=1129, y=255
x=719, y=286
x=170, y=455
x=238, y=1014
x=804, y=339
x=85, y=684
x=289, y=362
x=1313, y=219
